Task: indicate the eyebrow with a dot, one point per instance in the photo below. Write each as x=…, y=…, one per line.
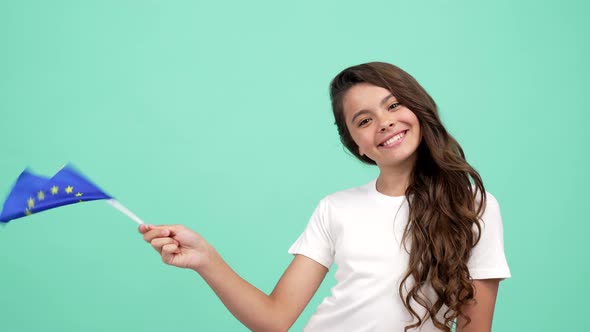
x=361, y=112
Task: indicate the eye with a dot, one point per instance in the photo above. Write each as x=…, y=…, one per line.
x=393, y=106
x=364, y=122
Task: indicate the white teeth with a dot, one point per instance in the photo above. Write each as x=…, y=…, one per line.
x=394, y=139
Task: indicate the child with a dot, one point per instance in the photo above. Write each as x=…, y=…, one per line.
x=417, y=249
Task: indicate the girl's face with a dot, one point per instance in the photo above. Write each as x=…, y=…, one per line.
x=384, y=130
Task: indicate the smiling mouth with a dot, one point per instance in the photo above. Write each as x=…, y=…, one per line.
x=393, y=140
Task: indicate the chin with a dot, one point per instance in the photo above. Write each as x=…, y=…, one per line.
x=397, y=161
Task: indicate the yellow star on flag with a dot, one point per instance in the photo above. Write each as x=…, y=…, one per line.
x=40, y=195
x=78, y=194
x=54, y=190
x=69, y=189
x=28, y=212
x=31, y=202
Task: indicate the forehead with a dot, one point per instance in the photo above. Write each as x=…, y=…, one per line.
x=363, y=96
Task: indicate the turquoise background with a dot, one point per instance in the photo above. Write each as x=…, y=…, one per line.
x=216, y=115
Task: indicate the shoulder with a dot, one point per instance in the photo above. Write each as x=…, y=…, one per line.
x=347, y=196
x=491, y=217
x=491, y=202
x=487, y=259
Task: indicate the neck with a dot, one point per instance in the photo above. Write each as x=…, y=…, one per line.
x=395, y=180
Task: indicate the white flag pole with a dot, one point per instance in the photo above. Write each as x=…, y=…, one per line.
x=114, y=203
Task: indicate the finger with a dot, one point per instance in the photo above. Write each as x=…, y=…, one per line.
x=174, y=229
x=169, y=254
x=159, y=226
x=159, y=242
x=171, y=248
x=154, y=233
x=143, y=228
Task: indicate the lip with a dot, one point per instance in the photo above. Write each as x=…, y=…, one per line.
x=390, y=136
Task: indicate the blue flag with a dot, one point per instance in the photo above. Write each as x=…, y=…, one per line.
x=33, y=193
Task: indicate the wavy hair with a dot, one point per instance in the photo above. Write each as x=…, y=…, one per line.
x=442, y=196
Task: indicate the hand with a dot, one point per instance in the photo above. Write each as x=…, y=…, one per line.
x=178, y=245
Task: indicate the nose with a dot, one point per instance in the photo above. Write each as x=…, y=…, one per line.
x=386, y=124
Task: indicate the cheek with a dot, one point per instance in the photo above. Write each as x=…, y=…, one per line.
x=362, y=142
x=354, y=135
x=419, y=137
x=411, y=119
x=409, y=116
x=357, y=142
x=362, y=139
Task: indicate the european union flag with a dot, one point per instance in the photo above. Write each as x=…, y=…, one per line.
x=33, y=193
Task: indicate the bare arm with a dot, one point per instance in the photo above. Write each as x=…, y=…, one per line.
x=182, y=247
x=481, y=311
x=261, y=312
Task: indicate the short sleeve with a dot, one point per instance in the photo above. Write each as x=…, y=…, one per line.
x=488, y=260
x=316, y=242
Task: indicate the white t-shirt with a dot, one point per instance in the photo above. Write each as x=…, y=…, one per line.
x=358, y=229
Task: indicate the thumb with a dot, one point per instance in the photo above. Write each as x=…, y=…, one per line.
x=168, y=252
x=167, y=257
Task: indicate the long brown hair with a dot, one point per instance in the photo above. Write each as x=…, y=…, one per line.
x=444, y=207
